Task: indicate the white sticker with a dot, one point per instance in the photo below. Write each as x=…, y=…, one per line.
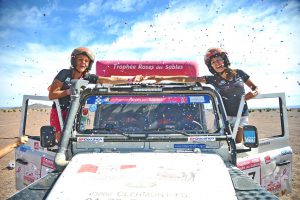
x=90, y=139
x=202, y=138
x=196, y=99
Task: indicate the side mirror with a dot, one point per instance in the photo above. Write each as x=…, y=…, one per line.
x=250, y=136
x=47, y=136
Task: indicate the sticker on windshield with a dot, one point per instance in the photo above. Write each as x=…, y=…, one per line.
x=90, y=139
x=148, y=99
x=199, y=99
x=137, y=99
x=93, y=108
x=201, y=138
x=196, y=99
x=189, y=146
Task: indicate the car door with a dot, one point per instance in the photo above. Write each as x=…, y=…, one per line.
x=32, y=160
x=270, y=164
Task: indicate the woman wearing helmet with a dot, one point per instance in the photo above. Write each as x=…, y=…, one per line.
x=82, y=60
x=228, y=82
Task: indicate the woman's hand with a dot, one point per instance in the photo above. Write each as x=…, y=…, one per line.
x=138, y=78
x=254, y=90
x=251, y=94
x=22, y=140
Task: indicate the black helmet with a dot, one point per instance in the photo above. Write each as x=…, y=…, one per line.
x=214, y=52
x=84, y=51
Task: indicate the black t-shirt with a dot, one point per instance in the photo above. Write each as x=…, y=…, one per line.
x=231, y=91
x=64, y=76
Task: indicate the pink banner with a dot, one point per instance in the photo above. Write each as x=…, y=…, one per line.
x=146, y=68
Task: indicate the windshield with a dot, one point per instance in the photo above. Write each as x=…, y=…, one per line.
x=148, y=113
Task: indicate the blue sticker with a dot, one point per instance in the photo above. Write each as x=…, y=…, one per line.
x=93, y=108
x=198, y=99
x=189, y=146
x=24, y=148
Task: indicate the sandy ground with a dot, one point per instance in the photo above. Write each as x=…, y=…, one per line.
x=10, y=122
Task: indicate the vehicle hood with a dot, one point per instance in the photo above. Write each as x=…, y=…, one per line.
x=148, y=176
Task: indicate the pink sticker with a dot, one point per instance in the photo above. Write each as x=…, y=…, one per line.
x=267, y=159
x=36, y=145
x=247, y=164
x=47, y=163
x=127, y=166
x=88, y=168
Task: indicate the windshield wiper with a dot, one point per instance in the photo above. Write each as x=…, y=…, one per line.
x=116, y=131
x=113, y=130
x=168, y=130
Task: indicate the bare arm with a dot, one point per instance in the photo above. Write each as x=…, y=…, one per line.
x=119, y=79
x=254, y=90
x=55, y=91
x=183, y=79
x=8, y=148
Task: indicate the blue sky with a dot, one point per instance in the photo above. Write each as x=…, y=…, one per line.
x=37, y=38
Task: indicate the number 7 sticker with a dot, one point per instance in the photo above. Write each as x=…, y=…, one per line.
x=251, y=168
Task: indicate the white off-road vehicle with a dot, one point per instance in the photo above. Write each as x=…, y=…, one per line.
x=152, y=141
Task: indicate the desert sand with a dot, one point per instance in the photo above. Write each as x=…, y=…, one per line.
x=9, y=130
